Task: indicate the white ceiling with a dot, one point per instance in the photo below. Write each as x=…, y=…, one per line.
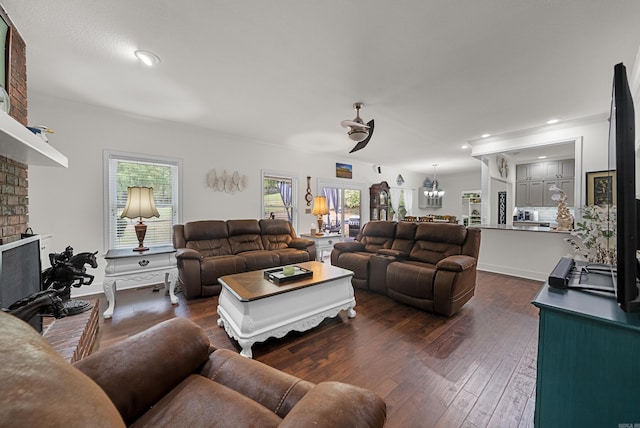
x=433, y=74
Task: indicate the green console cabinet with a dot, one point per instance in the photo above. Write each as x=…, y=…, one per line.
x=588, y=361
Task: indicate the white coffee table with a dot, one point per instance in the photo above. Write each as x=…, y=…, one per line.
x=252, y=309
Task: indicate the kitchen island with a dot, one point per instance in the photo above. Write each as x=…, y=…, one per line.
x=524, y=251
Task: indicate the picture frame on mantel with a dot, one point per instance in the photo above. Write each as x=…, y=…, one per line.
x=601, y=187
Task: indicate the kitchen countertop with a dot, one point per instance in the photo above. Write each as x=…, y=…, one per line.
x=522, y=228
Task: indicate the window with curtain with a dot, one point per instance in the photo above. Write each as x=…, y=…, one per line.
x=278, y=196
x=123, y=170
x=398, y=200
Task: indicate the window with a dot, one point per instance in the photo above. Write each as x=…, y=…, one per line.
x=279, y=192
x=163, y=174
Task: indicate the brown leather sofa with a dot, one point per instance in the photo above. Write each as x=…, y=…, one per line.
x=166, y=376
x=431, y=266
x=209, y=249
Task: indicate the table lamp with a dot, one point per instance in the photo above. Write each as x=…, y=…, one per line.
x=140, y=205
x=320, y=208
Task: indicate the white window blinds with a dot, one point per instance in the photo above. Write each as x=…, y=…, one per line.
x=124, y=170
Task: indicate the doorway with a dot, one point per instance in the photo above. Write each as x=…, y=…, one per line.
x=345, y=206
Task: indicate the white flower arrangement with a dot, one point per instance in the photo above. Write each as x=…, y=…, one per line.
x=596, y=235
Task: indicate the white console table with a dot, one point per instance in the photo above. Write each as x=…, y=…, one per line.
x=323, y=243
x=139, y=268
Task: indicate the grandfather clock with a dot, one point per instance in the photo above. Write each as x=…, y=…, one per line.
x=379, y=201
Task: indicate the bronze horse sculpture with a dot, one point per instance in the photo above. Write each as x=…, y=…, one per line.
x=45, y=301
x=66, y=271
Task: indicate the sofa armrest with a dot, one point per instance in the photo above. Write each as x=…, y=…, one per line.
x=335, y=404
x=348, y=246
x=274, y=389
x=138, y=371
x=456, y=263
x=301, y=243
x=400, y=255
x=187, y=253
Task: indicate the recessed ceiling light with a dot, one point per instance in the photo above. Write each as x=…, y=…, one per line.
x=485, y=135
x=147, y=58
x=552, y=121
x=464, y=146
x=542, y=157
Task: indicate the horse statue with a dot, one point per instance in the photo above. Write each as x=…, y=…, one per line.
x=69, y=270
x=46, y=301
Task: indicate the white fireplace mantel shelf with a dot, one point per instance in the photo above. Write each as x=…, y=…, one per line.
x=22, y=145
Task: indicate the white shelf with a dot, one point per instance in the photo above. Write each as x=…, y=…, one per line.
x=22, y=145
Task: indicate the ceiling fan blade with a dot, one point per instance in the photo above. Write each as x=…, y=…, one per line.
x=363, y=143
x=352, y=124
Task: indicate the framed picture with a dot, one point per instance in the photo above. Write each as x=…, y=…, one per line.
x=344, y=170
x=601, y=188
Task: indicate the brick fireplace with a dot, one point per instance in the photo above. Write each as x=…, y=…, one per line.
x=14, y=176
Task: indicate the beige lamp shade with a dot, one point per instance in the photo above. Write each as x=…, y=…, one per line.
x=320, y=206
x=140, y=203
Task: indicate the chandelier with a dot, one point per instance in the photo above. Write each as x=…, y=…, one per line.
x=434, y=192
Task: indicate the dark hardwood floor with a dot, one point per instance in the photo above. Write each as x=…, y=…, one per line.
x=476, y=369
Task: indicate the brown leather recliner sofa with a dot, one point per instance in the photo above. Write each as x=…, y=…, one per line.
x=431, y=266
x=209, y=249
x=166, y=376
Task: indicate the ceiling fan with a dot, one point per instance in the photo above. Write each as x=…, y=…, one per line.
x=358, y=130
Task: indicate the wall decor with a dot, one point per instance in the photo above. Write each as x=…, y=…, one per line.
x=225, y=182
x=344, y=170
x=308, y=196
x=503, y=167
x=502, y=207
x=601, y=187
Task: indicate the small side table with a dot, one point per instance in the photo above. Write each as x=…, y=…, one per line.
x=146, y=267
x=323, y=242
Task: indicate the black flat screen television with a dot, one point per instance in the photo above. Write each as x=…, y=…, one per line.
x=622, y=156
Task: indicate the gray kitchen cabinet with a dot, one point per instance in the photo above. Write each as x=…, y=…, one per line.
x=530, y=171
x=566, y=184
x=529, y=193
x=534, y=179
x=559, y=169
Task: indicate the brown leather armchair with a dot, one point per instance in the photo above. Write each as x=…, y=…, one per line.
x=168, y=375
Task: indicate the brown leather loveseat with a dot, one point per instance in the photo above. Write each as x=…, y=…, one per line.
x=209, y=249
x=166, y=376
x=431, y=266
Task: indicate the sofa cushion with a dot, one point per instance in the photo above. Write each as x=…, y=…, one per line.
x=412, y=279
x=358, y=262
x=260, y=259
x=435, y=241
x=405, y=236
x=377, y=235
x=205, y=229
x=208, y=237
x=197, y=401
x=212, y=268
x=244, y=235
x=289, y=256
x=274, y=242
x=276, y=227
